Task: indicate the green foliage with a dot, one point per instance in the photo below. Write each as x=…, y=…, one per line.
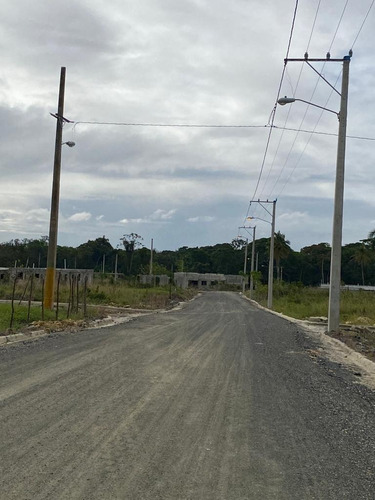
x=311, y=265
x=298, y=301
x=96, y=296
x=20, y=316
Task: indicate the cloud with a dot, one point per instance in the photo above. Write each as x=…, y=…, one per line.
x=159, y=216
x=201, y=218
x=80, y=217
x=185, y=62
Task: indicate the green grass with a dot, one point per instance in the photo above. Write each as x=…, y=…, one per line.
x=304, y=302
x=101, y=292
x=357, y=309
x=20, y=316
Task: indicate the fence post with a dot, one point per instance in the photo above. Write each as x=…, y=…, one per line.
x=12, y=303
x=57, y=296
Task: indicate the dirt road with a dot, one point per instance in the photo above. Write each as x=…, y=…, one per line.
x=218, y=400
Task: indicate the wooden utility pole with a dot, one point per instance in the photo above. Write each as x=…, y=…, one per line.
x=52, y=240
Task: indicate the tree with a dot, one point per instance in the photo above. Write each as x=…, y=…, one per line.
x=314, y=258
x=131, y=242
x=362, y=257
x=90, y=254
x=281, y=250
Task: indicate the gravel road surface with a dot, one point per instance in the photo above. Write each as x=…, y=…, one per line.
x=218, y=400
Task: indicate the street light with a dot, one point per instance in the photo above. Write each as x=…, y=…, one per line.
x=335, y=275
x=71, y=144
x=289, y=100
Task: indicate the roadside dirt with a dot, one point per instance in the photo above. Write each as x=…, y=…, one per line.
x=341, y=348
x=338, y=351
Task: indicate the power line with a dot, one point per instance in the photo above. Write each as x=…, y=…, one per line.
x=204, y=125
x=311, y=98
x=313, y=26
x=273, y=113
x=316, y=132
x=364, y=20
x=338, y=25
x=290, y=108
x=177, y=125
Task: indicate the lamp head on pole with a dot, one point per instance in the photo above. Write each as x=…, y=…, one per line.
x=285, y=100
x=71, y=144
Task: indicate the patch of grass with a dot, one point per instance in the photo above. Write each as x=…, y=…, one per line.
x=357, y=311
x=120, y=294
x=137, y=297
x=357, y=307
x=20, y=316
x=294, y=300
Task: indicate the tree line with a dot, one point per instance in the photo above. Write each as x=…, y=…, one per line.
x=131, y=257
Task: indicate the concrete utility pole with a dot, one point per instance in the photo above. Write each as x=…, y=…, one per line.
x=252, y=257
x=270, y=266
x=252, y=264
x=52, y=240
x=151, y=256
x=335, y=276
x=245, y=267
x=272, y=244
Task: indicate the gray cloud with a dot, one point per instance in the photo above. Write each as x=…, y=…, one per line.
x=189, y=61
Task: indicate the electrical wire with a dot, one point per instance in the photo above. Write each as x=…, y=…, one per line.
x=308, y=140
x=338, y=25
x=313, y=26
x=290, y=109
x=364, y=20
x=294, y=91
x=268, y=125
x=177, y=125
x=324, y=133
x=273, y=113
x=311, y=97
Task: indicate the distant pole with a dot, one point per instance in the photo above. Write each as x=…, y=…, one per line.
x=252, y=264
x=151, y=256
x=335, y=276
x=245, y=267
x=170, y=283
x=116, y=262
x=54, y=215
x=103, y=267
x=270, y=266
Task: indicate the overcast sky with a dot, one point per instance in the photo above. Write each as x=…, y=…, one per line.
x=209, y=62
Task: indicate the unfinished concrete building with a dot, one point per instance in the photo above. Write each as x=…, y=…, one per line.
x=206, y=280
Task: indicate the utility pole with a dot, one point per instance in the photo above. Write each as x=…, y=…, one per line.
x=116, y=263
x=270, y=267
x=272, y=244
x=52, y=239
x=151, y=256
x=335, y=277
x=245, y=267
x=252, y=264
